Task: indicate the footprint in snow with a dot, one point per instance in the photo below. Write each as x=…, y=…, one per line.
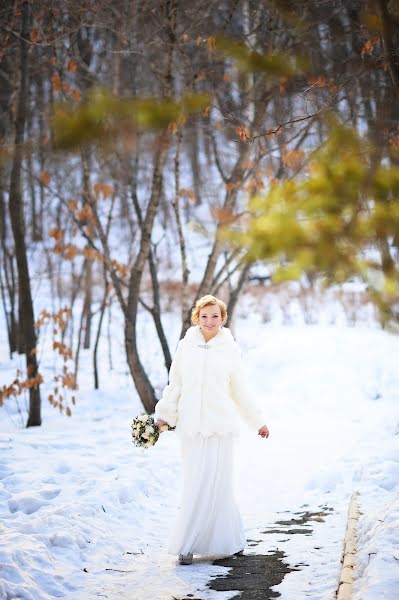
x=86, y=487
x=108, y=467
x=62, y=468
x=26, y=503
x=62, y=539
x=50, y=480
x=50, y=494
x=4, y=471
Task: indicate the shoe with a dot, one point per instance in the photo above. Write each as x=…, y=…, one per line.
x=185, y=559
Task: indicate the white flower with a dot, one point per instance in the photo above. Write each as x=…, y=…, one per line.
x=143, y=418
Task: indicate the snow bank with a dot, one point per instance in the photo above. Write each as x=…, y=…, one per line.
x=85, y=514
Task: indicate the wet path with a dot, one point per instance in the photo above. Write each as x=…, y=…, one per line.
x=276, y=559
x=254, y=575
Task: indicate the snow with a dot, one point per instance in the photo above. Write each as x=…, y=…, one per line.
x=378, y=533
x=85, y=514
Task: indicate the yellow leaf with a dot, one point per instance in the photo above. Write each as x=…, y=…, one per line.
x=372, y=22
x=211, y=43
x=35, y=36
x=172, y=127
x=70, y=251
x=72, y=66
x=45, y=177
x=104, y=189
x=56, y=234
x=56, y=83
x=188, y=193
x=223, y=215
x=181, y=120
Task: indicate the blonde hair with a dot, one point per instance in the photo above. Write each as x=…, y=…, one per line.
x=208, y=300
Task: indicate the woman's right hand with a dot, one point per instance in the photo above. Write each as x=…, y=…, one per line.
x=162, y=425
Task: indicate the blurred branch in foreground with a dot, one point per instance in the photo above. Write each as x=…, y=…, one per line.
x=104, y=117
x=338, y=220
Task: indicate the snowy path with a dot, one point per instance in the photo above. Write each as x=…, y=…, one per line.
x=85, y=515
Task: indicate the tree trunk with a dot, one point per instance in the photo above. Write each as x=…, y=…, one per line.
x=155, y=311
x=236, y=293
x=87, y=302
x=35, y=217
x=18, y=228
x=8, y=291
x=100, y=322
x=182, y=241
x=78, y=347
x=388, y=42
x=41, y=150
x=141, y=380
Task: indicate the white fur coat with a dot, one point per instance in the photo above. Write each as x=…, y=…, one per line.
x=208, y=387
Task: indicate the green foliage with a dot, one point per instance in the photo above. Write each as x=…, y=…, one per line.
x=336, y=221
x=103, y=117
x=275, y=64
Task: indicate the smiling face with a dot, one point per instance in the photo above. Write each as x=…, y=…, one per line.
x=210, y=320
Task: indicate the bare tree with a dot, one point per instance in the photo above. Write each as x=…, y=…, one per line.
x=16, y=209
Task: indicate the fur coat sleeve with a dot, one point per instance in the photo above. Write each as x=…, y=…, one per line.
x=243, y=394
x=166, y=407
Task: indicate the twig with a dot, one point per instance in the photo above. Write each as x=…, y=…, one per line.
x=119, y=570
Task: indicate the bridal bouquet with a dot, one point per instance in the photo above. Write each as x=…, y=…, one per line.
x=145, y=432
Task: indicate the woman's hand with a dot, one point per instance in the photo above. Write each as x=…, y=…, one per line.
x=162, y=425
x=263, y=431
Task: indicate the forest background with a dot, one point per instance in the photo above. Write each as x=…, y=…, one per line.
x=152, y=152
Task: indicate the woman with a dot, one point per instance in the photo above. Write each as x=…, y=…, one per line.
x=206, y=391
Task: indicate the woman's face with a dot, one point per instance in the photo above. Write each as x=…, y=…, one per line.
x=210, y=320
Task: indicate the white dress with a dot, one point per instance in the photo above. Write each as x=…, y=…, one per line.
x=207, y=392
x=208, y=521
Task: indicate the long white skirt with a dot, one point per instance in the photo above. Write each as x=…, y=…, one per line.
x=208, y=521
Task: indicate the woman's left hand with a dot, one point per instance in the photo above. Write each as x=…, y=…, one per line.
x=263, y=431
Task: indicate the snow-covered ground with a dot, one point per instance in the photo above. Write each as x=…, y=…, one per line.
x=84, y=514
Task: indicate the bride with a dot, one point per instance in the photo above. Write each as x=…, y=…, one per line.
x=207, y=391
